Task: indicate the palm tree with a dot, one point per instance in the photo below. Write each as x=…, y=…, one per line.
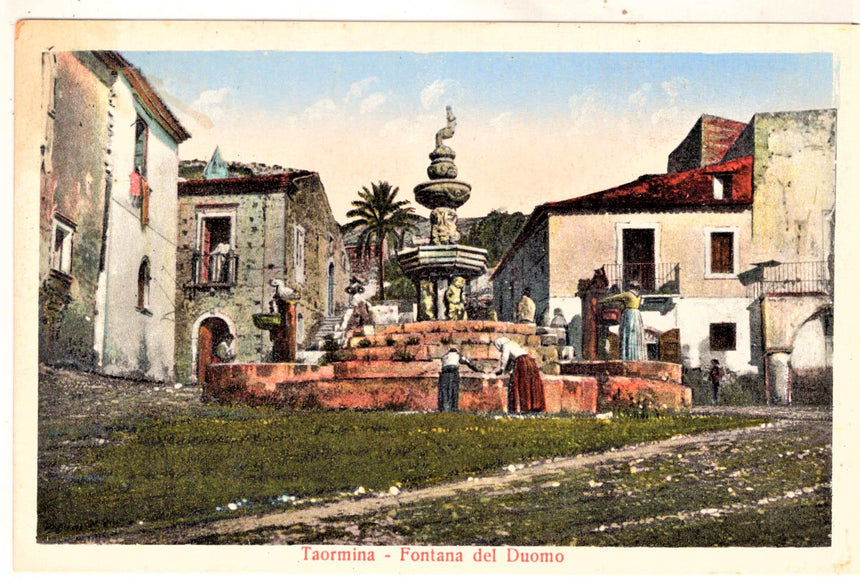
x=380, y=218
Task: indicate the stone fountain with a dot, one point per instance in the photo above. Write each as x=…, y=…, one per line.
x=441, y=268
x=397, y=366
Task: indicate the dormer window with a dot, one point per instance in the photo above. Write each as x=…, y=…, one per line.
x=722, y=186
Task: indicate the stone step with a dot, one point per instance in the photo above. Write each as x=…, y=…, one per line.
x=441, y=339
x=456, y=326
x=479, y=352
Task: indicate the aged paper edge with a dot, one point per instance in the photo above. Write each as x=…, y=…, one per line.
x=32, y=37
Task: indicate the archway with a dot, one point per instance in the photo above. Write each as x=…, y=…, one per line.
x=811, y=360
x=212, y=330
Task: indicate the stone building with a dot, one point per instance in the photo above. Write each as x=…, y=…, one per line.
x=236, y=235
x=107, y=217
x=733, y=249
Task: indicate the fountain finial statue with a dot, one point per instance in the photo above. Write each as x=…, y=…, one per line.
x=447, y=131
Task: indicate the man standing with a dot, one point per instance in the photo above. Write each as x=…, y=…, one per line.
x=526, y=308
x=715, y=376
x=449, y=379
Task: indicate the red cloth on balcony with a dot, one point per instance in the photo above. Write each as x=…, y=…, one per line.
x=136, y=181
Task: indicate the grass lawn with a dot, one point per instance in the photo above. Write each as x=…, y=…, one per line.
x=219, y=462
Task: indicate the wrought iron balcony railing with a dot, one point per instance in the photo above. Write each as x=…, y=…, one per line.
x=802, y=277
x=214, y=269
x=653, y=278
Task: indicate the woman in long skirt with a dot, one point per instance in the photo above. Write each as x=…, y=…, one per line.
x=631, y=334
x=525, y=391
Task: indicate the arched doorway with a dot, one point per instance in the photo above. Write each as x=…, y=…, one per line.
x=330, y=300
x=212, y=331
x=811, y=360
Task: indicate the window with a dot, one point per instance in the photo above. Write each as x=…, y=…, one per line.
x=215, y=261
x=141, y=136
x=723, y=337
x=299, y=253
x=722, y=252
x=637, y=253
x=61, y=246
x=139, y=187
x=721, y=256
x=143, y=279
x=722, y=186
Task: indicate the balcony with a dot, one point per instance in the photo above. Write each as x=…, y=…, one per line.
x=653, y=278
x=796, y=278
x=214, y=270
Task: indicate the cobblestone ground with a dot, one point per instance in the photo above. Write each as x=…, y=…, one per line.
x=718, y=486
x=74, y=408
x=66, y=394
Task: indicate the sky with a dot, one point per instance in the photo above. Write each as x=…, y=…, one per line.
x=531, y=127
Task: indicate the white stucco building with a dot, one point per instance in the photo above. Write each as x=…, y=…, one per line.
x=733, y=249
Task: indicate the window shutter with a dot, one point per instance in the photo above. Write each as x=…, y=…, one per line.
x=722, y=252
x=670, y=346
x=144, y=204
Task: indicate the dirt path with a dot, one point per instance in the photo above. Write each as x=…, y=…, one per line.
x=511, y=479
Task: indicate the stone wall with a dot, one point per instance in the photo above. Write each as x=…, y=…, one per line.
x=73, y=188
x=794, y=183
x=258, y=262
x=528, y=265
x=266, y=211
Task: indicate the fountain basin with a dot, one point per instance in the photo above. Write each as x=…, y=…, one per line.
x=442, y=193
x=435, y=261
x=376, y=375
x=266, y=321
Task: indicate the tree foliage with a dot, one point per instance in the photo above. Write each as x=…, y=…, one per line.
x=495, y=233
x=381, y=220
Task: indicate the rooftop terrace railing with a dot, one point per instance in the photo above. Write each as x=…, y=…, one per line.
x=801, y=277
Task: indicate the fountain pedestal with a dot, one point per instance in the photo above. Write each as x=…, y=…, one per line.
x=281, y=325
x=436, y=267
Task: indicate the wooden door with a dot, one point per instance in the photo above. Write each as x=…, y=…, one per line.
x=638, y=257
x=205, y=347
x=670, y=346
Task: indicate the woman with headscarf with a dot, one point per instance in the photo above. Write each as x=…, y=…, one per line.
x=631, y=334
x=525, y=391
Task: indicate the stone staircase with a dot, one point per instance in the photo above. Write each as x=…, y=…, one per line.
x=330, y=326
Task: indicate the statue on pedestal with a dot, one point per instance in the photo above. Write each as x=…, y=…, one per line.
x=455, y=308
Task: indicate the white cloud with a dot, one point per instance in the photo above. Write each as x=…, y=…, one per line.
x=674, y=86
x=501, y=121
x=357, y=89
x=432, y=93
x=584, y=106
x=372, y=102
x=640, y=95
x=209, y=102
x=671, y=116
x=320, y=109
